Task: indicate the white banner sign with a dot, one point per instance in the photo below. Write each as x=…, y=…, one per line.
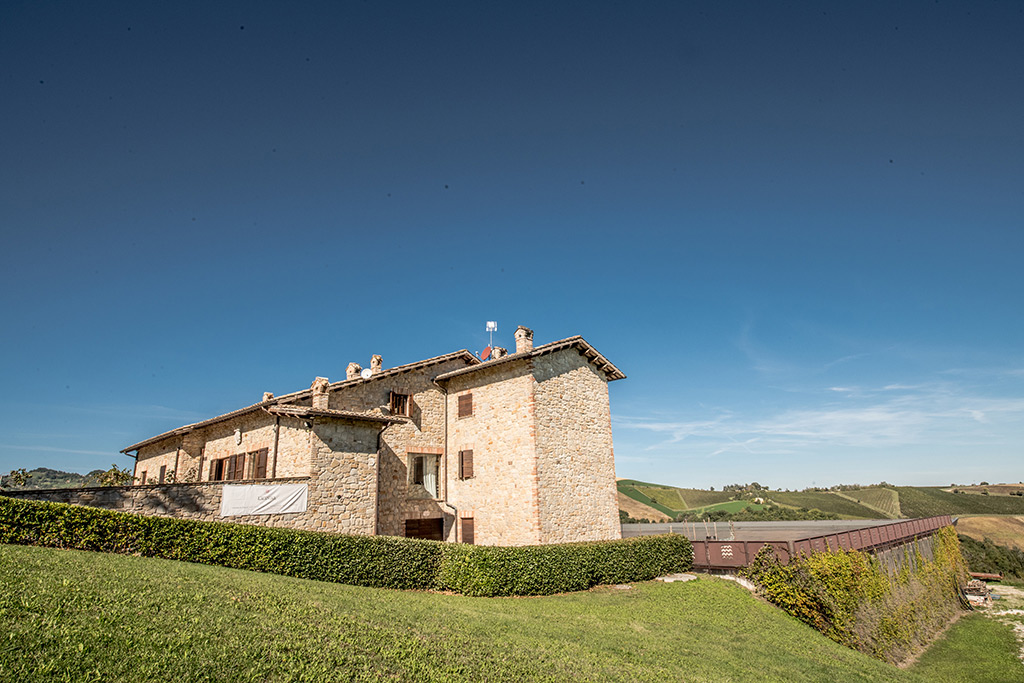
x=254, y=499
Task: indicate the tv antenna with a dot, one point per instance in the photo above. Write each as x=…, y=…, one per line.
x=492, y=327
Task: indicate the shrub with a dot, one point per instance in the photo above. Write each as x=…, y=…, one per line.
x=375, y=561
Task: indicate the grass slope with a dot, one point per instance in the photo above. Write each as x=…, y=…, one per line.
x=77, y=616
x=976, y=648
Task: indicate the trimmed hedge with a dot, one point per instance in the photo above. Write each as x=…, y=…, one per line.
x=562, y=568
x=374, y=561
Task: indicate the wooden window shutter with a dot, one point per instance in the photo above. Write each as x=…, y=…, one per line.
x=163, y=473
x=260, y=464
x=465, y=405
x=143, y=482
x=466, y=464
x=468, y=535
x=240, y=466
x=213, y=470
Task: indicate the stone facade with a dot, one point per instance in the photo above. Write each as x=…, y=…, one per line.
x=513, y=451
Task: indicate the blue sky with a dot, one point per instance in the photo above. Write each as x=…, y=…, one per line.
x=796, y=227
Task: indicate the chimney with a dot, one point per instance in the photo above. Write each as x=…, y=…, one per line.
x=267, y=396
x=498, y=352
x=353, y=370
x=319, y=388
x=524, y=339
x=375, y=363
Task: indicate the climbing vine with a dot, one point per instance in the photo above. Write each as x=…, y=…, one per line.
x=852, y=599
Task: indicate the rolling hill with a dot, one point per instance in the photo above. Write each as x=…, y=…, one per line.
x=876, y=502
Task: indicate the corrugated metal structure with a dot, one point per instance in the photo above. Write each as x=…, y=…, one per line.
x=789, y=539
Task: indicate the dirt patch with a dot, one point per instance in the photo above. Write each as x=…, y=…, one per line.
x=638, y=510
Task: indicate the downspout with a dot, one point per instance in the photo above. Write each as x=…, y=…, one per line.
x=177, y=456
x=376, y=476
x=277, y=437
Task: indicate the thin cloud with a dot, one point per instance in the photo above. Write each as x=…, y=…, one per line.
x=54, y=449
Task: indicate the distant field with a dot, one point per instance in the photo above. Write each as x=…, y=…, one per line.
x=666, y=496
x=927, y=501
x=633, y=490
x=698, y=498
x=885, y=499
x=826, y=502
x=732, y=506
x=637, y=510
x=993, y=489
x=1008, y=531
x=78, y=616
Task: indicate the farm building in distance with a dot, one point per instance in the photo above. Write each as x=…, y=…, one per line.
x=514, y=450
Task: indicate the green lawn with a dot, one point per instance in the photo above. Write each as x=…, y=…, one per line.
x=977, y=648
x=77, y=616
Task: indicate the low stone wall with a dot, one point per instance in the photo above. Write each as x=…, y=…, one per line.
x=199, y=501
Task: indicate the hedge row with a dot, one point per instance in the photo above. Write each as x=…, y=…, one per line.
x=376, y=561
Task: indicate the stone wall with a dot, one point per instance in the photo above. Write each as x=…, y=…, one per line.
x=342, y=495
x=576, y=468
x=502, y=496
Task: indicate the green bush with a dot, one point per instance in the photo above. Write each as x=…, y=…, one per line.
x=547, y=569
x=376, y=561
x=986, y=556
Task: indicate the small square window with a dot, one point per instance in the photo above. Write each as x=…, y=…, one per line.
x=400, y=404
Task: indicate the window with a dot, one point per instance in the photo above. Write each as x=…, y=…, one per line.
x=432, y=528
x=466, y=405
x=466, y=464
x=400, y=404
x=142, y=479
x=423, y=474
x=468, y=535
x=163, y=473
x=226, y=469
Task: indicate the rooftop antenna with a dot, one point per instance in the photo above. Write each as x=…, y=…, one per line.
x=492, y=327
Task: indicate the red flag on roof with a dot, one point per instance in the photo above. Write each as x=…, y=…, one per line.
x=485, y=354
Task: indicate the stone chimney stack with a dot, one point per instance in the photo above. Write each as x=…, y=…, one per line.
x=319, y=388
x=267, y=396
x=498, y=352
x=353, y=370
x=524, y=339
x=376, y=363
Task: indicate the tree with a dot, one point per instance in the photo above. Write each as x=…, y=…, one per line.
x=18, y=477
x=116, y=476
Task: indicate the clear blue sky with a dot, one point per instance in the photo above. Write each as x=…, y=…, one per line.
x=796, y=227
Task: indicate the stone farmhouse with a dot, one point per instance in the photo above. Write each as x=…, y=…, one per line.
x=514, y=450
